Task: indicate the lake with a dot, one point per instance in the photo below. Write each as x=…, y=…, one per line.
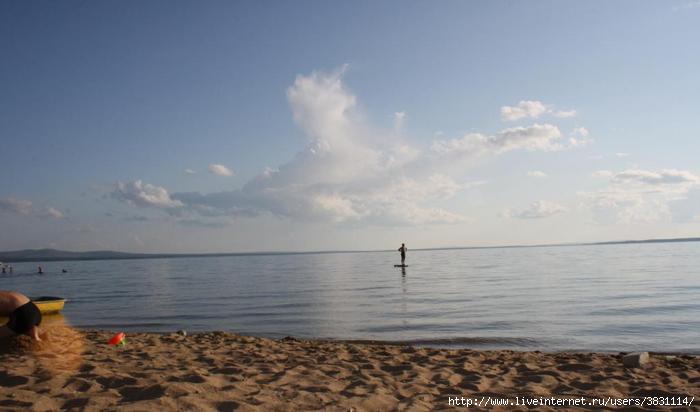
x=594, y=298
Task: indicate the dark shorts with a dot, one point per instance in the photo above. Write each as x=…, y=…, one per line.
x=24, y=317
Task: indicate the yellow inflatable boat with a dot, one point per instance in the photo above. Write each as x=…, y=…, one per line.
x=49, y=304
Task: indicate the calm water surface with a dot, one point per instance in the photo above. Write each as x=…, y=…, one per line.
x=603, y=298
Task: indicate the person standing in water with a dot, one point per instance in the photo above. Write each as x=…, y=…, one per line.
x=403, y=250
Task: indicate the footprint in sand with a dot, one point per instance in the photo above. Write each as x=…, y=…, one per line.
x=574, y=367
x=190, y=378
x=9, y=381
x=116, y=382
x=137, y=393
x=227, y=406
x=78, y=403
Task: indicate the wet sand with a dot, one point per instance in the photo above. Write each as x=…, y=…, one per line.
x=76, y=369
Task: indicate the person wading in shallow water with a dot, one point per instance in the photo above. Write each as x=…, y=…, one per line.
x=24, y=316
x=403, y=250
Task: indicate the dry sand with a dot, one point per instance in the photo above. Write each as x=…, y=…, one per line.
x=223, y=371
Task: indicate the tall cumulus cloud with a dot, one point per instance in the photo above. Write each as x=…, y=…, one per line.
x=348, y=170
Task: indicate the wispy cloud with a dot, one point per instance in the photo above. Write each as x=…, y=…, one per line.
x=639, y=195
x=525, y=108
x=602, y=173
x=19, y=206
x=687, y=5
x=142, y=194
x=663, y=177
x=53, y=213
x=537, y=210
x=687, y=209
x=579, y=137
x=532, y=109
x=190, y=171
x=544, y=137
x=618, y=155
x=220, y=170
x=27, y=208
x=537, y=174
x=563, y=113
x=399, y=119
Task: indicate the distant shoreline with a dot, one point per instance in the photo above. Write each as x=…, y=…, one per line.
x=53, y=255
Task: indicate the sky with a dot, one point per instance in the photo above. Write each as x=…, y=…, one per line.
x=172, y=126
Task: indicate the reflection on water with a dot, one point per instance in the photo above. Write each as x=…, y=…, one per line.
x=54, y=319
x=616, y=297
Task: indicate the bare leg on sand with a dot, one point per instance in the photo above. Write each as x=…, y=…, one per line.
x=24, y=316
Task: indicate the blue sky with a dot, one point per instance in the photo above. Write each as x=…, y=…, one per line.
x=346, y=125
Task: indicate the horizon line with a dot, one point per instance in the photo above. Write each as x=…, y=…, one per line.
x=138, y=255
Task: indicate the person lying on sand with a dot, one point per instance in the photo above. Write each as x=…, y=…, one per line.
x=24, y=316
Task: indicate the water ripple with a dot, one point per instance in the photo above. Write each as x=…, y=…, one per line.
x=615, y=297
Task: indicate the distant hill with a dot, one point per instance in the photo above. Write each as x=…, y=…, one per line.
x=624, y=242
x=49, y=255
x=46, y=255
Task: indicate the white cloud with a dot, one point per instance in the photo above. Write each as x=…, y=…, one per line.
x=639, y=195
x=688, y=209
x=399, y=118
x=220, y=170
x=537, y=174
x=535, y=137
x=663, y=177
x=564, y=113
x=26, y=208
x=190, y=171
x=542, y=137
x=143, y=194
x=537, y=210
x=349, y=171
x=579, y=137
x=269, y=171
x=54, y=213
x=19, y=206
x=524, y=108
x=532, y=109
x=688, y=5
x=619, y=155
x=391, y=202
x=581, y=131
x=602, y=174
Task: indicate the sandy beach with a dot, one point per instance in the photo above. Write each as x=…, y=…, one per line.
x=222, y=371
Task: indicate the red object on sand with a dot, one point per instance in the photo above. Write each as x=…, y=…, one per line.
x=117, y=339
